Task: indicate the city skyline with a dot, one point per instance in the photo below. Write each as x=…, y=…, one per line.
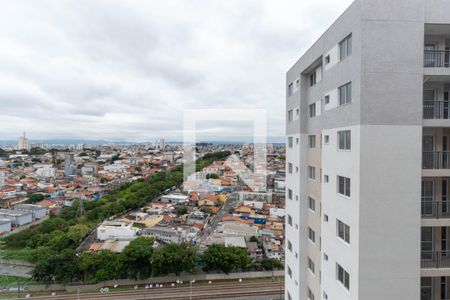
x=128, y=71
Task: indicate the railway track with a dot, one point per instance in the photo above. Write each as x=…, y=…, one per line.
x=203, y=291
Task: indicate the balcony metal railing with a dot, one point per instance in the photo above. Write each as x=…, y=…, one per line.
x=435, y=259
x=436, y=109
x=436, y=209
x=436, y=159
x=436, y=59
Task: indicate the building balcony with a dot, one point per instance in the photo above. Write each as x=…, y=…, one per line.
x=435, y=260
x=435, y=209
x=436, y=160
x=436, y=59
x=436, y=109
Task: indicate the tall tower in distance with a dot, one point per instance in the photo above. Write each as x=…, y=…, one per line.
x=69, y=165
x=23, y=143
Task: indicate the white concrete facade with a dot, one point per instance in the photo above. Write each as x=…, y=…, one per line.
x=356, y=210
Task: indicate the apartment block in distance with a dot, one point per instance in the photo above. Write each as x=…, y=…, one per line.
x=368, y=156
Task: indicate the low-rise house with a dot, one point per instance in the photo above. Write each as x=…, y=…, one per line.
x=38, y=211
x=235, y=241
x=272, y=248
x=255, y=253
x=5, y=225
x=175, y=198
x=164, y=234
x=114, y=230
x=18, y=218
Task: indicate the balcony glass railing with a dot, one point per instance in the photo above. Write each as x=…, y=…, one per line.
x=435, y=259
x=436, y=159
x=436, y=109
x=436, y=59
x=435, y=209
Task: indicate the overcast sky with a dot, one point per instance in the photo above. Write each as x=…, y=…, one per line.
x=126, y=70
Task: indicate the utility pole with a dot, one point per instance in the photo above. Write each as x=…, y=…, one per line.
x=80, y=210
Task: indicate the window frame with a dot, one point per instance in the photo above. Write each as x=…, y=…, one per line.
x=343, y=231
x=343, y=276
x=344, y=139
x=290, y=141
x=346, y=185
x=345, y=47
x=312, y=141
x=311, y=173
x=345, y=93
x=312, y=110
x=311, y=235
x=312, y=204
x=290, y=116
x=290, y=89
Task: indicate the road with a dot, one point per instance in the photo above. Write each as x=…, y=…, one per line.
x=204, y=291
x=217, y=218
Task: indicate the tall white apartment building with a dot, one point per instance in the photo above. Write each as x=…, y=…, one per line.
x=23, y=143
x=368, y=156
x=2, y=178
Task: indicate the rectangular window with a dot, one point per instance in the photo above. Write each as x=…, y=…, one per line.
x=311, y=266
x=345, y=93
x=344, y=186
x=290, y=142
x=342, y=276
x=290, y=220
x=290, y=116
x=290, y=89
x=289, y=194
x=311, y=172
x=297, y=83
x=312, y=141
x=312, y=78
x=327, y=99
x=310, y=294
x=345, y=140
x=327, y=59
x=345, y=47
x=343, y=231
x=311, y=204
x=290, y=168
x=326, y=139
x=312, y=110
x=311, y=235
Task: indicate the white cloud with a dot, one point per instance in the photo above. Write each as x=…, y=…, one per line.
x=127, y=69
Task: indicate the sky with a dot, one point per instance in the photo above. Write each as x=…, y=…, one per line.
x=130, y=70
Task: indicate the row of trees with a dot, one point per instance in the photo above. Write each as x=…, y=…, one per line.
x=139, y=260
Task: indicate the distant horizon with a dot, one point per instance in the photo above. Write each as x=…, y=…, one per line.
x=66, y=141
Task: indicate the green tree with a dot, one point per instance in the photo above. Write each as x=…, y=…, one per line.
x=35, y=198
x=253, y=239
x=182, y=211
x=212, y=176
x=101, y=266
x=225, y=259
x=269, y=264
x=136, y=257
x=173, y=258
x=78, y=232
